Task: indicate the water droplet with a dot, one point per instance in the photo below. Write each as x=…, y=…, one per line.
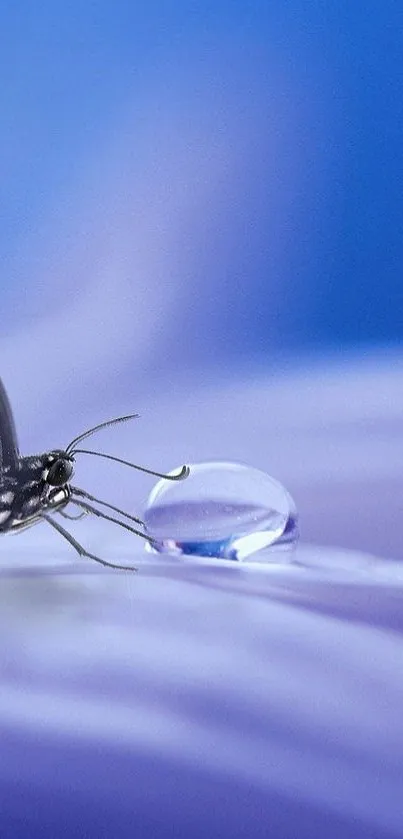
x=223, y=510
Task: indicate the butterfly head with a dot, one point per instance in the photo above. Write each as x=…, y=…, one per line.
x=59, y=468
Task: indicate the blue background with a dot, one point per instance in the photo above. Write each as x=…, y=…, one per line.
x=201, y=220
x=289, y=236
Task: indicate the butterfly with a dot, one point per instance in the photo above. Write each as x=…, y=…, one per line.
x=34, y=488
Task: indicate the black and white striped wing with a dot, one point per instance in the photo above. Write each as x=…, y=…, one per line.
x=9, y=453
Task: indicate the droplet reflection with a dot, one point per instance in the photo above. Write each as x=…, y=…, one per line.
x=222, y=510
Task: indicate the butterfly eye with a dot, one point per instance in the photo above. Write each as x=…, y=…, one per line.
x=60, y=472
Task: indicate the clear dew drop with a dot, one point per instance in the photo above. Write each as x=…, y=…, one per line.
x=222, y=510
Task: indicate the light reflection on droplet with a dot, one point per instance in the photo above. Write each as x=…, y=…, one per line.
x=222, y=510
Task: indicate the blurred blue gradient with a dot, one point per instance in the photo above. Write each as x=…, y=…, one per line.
x=245, y=158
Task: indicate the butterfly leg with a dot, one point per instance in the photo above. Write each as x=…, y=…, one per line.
x=103, y=515
x=81, y=493
x=73, y=518
x=79, y=548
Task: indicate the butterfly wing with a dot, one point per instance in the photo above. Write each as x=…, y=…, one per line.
x=9, y=453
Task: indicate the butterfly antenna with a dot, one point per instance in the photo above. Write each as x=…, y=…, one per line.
x=184, y=472
x=98, y=428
